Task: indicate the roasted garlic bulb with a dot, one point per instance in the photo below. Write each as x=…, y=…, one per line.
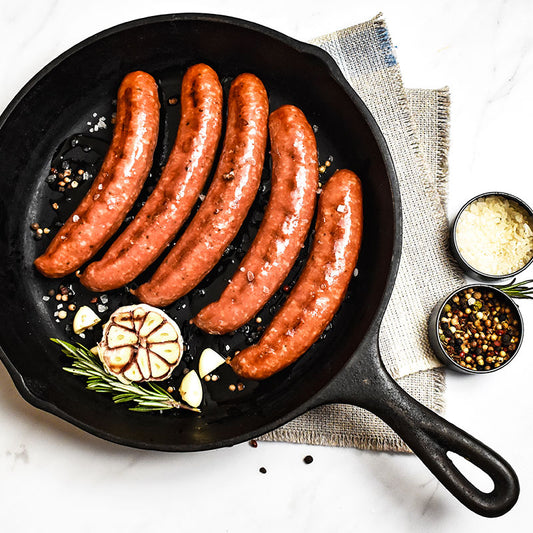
x=140, y=343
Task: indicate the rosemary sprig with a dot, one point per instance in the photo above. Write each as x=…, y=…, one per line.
x=149, y=398
x=517, y=290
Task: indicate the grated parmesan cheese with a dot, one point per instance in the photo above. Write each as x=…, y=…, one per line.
x=495, y=235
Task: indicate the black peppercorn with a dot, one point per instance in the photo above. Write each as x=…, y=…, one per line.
x=476, y=327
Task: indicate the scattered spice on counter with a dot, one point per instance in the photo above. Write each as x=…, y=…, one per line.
x=478, y=330
x=495, y=235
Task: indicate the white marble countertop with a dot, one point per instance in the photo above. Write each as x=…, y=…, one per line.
x=53, y=476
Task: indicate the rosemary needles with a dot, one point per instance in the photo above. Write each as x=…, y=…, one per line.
x=517, y=290
x=150, y=397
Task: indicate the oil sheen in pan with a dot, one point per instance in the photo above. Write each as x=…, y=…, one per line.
x=85, y=151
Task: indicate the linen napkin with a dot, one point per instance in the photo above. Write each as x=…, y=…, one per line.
x=415, y=125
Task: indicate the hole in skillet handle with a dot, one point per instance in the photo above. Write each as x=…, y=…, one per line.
x=479, y=478
x=438, y=311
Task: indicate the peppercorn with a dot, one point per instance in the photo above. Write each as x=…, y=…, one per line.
x=477, y=330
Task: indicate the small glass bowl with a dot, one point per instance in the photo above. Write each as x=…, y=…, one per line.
x=434, y=321
x=469, y=269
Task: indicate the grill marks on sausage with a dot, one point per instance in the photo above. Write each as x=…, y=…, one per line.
x=117, y=185
x=324, y=281
x=283, y=230
x=321, y=287
x=174, y=196
x=124, y=123
x=207, y=236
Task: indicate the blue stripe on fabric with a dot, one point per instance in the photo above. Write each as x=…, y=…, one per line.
x=385, y=45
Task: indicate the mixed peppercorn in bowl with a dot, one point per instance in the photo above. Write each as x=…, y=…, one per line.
x=476, y=329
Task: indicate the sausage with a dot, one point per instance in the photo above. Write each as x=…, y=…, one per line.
x=228, y=199
x=321, y=287
x=177, y=190
x=283, y=229
x=118, y=183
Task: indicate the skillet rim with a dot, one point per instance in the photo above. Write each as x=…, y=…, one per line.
x=372, y=331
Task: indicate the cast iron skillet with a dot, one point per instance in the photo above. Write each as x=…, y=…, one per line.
x=36, y=131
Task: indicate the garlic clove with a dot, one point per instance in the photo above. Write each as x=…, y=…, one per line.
x=165, y=333
x=191, y=389
x=152, y=321
x=143, y=362
x=158, y=366
x=169, y=351
x=209, y=361
x=85, y=318
x=118, y=337
x=133, y=373
x=120, y=358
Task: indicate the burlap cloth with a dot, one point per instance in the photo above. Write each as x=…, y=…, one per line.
x=415, y=125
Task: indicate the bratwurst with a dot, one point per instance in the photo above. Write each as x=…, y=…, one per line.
x=118, y=183
x=321, y=287
x=177, y=190
x=228, y=199
x=283, y=230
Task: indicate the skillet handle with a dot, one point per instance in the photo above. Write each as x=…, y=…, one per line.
x=429, y=436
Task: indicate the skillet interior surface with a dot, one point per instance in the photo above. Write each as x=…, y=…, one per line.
x=47, y=124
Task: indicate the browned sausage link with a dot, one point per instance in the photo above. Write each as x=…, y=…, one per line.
x=227, y=202
x=283, y=230
x=321, y=287
x=118, y=183
x=177, y=190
